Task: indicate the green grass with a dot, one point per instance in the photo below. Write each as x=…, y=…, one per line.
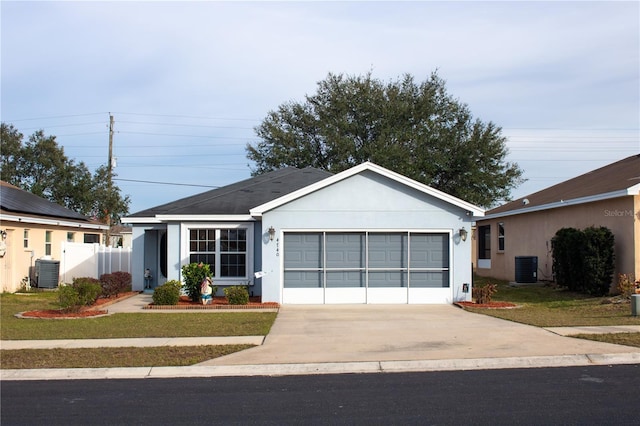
x=114, y=357
x=546, y=306
x=184, y=324
x=628, y=339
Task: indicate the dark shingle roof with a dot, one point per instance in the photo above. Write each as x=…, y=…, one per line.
x=18, y=201
x=240, y=197
x=614, y=177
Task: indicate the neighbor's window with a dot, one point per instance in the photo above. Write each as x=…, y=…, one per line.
x=91, y=238
x=224, y=250
x=47, y=243
x=25, y=236
x=501, y=236
x=484, y=242
x=71, y=237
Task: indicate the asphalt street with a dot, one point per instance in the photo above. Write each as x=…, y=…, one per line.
x=567, y=395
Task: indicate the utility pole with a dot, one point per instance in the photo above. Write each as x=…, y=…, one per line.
x=110, y=181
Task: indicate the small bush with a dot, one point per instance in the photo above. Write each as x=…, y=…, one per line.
x=193, y=274
x=237, y=295
x=68, y=298
x=484, y=294
x=167, y=294
x=626, y=285
x=115, y=283
x=88, y=290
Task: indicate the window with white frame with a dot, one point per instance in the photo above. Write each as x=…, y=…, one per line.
x=225, y=250
x=501, y=236
x=71, y=237
x=47, y=243
x=25, y=238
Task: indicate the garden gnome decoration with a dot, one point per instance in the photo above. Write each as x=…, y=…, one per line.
x=205, y=291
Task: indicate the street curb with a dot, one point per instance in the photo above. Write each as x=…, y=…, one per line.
x=322, y=368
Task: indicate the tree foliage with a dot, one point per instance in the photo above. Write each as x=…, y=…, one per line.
x=416, y=129
x=41, y=167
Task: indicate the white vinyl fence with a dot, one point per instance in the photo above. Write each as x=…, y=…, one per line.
x=92, y=260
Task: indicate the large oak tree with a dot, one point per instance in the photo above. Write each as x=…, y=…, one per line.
x=41, y=167
x=416, y=129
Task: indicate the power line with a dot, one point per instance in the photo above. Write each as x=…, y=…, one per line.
x=166, y=183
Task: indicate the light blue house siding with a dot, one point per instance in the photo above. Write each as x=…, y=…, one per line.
x=378, y=221
x=365, y=235
x=163, y=250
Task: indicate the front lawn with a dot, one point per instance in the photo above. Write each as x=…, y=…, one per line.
x=547, y=306
x=183, y=324
x=115, y=357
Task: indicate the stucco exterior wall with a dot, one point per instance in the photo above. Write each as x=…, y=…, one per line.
x=366, y=201
x=530, y=234
x=17, y=261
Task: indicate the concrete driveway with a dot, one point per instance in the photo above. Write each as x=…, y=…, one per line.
x=354, y=333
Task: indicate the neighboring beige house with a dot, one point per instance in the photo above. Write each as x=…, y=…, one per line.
x=521, y=230
x=33, y=228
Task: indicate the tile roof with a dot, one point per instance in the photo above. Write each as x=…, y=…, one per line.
x=238, y=198
x=14, y=200
x=615, y=177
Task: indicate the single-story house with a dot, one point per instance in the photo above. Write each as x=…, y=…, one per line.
x=515, y=238
x=32, y=229
x=306, y=236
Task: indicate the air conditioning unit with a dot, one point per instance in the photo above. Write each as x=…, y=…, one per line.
x=526, y=269
x=47, y=273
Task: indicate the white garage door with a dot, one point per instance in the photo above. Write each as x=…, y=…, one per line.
x=366, y=267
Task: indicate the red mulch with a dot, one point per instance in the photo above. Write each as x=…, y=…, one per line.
x=492, y=305
x=222, y=301
x=85, y=312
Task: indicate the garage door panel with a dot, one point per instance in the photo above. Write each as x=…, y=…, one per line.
x=303, y=250
x=302, y=279
x=436, y=279
x=387, y=279
x=344, y=279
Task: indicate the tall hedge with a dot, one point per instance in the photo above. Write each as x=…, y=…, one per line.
x=583, y=260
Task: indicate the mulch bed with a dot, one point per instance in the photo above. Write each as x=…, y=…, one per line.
x=95, y=310
x=492, y=305
x=218, y=302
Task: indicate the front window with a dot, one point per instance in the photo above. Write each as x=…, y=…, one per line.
x=224, y=250
x=25, y=236
x=71, y=237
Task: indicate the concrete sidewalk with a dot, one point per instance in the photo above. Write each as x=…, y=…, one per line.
x=362, y=338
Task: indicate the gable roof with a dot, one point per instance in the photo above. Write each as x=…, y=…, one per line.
x=18, y=204
x=473, y=209
x=618, y=179
x=237, y=198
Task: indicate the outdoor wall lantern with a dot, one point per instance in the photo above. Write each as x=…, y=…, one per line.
x=272, y=233
x=463, y=234
x=3, y=234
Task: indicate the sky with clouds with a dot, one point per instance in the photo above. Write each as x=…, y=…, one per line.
x=187, y=82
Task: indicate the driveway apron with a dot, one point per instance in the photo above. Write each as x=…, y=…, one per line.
x=352, y=333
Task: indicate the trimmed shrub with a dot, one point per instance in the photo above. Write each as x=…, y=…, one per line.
x=237, y=295
x=83, y=292
x=583, y=261
x=68, y=298
x=193, y=274
x=167, y=294
x=115, y=283
x=88, y=290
